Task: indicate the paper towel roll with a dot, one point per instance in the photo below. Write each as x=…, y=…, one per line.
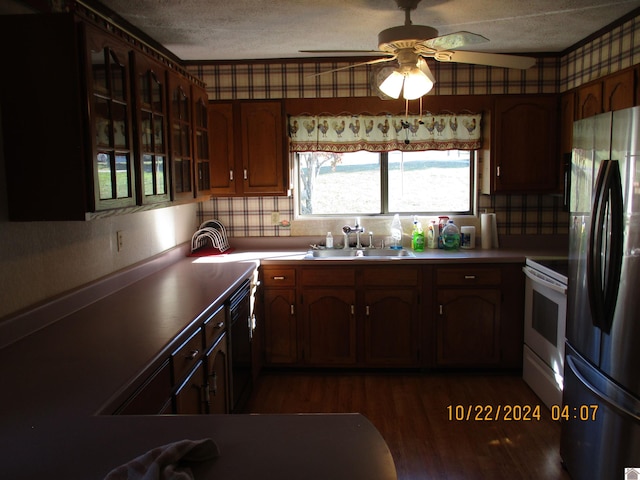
x=487, y=222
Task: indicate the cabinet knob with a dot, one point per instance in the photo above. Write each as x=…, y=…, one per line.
x=219, y=325
x=192, y=354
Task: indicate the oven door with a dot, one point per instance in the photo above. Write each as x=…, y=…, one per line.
x=545, y=319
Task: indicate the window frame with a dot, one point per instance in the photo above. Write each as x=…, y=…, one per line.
x=384, y=192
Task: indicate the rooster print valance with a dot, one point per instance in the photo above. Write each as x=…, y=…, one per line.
x=383, y=133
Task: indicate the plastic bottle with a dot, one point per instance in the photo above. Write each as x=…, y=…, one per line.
x=432, y=234
x=442, y=222
x=328, y=242
x=450, y=236
x=417, y=236
x=396, y=233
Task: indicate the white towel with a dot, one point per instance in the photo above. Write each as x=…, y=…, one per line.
x=168, y=462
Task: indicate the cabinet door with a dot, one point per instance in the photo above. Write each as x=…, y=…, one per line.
x=201, y=141
x=263, y=156
x=524, y=147
x=618, y=91
x=468, y=327
x=329, y=326
x=150, y=83
x=390, y=327
x=589, y=100
x=221, y=149
x=280, y=327
x=216, y=386
x=189, y=397
x=108, y=85
x=180, y=136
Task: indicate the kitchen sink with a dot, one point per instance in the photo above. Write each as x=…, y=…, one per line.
x=359, y=253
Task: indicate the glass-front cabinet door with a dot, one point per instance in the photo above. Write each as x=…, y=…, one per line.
x=151, y=121
x=111, y=115
x=180, y=113
x=201, y=141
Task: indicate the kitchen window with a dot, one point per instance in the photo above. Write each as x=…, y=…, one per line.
x=368, y=183
x=379, y=164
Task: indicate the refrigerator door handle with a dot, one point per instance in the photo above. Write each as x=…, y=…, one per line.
x=604, y=254
x=573, y=365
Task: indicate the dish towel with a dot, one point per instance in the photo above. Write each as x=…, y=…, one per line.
x=168, y=462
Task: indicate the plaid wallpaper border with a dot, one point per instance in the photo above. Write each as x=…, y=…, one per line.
x=249, y=216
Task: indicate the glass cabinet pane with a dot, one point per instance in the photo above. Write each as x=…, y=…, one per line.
x=158, y=134
x=118, y=77
x=105, y=176
x=120, y=126
x=99, y=71
x=123, y=176
x=160, y=176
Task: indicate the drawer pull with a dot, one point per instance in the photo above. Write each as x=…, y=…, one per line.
x=231, y=175
x=367, y=310
x=220, y=325
x=469, y=277
x=193, y=354
x=279, y=277
x=293, y=310
x=440, y=309
x=246, y=176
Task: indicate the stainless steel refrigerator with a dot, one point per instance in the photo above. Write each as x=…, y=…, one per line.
x=601, y=396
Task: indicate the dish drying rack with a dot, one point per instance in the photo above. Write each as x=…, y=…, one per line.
x=211, y=233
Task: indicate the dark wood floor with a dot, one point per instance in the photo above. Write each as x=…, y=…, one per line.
x=411, y=412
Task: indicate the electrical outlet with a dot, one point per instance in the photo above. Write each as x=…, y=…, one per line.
x=119, y=240
x=275, y=218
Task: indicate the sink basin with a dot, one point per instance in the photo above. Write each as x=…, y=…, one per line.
x=362, y=253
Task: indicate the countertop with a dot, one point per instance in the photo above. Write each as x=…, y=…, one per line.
x=56, y=380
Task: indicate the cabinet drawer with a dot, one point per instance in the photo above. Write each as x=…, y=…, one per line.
x=279, y=277
x=214, y=327
x=470, y=276
x=375, y=276
x=186, y=356
x=328, y=276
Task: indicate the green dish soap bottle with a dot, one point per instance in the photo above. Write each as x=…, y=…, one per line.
x=417, y=236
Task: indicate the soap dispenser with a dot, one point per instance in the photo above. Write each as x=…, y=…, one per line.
x=396, y=233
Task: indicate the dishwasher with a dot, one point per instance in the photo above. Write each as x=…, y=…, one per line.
x=240, y=330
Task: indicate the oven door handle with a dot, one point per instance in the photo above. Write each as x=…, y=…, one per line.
x=556, y=288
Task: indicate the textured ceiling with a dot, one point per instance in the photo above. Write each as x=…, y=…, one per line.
x=259, y=29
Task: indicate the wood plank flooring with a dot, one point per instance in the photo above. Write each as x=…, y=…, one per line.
x=411, y=412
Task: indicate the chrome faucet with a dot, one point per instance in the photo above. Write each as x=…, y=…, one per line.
x=358, y=229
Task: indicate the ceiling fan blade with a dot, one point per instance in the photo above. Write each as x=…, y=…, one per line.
x=490, y=59
x=370, y=62
x=454, y=40
x=359, y=52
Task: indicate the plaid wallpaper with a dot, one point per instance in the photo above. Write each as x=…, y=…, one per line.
x=516, y=214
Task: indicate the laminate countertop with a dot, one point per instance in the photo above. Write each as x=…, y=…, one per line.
x=56, y=381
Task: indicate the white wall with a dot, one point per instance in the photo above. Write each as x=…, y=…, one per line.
x=39, y=260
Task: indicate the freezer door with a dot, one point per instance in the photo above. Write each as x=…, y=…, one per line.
x=601, y=431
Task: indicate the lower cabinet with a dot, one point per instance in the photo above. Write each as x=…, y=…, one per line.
x=327, y=316
x=329, y=326
x=479, y=319
x=193, y=380
x=217, y=377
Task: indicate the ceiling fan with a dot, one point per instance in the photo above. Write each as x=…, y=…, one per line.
x=410, y=44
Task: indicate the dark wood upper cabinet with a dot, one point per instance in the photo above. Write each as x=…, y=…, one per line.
x=524, y=139
x=86, y=121
x=248, y=148
x=618, y=91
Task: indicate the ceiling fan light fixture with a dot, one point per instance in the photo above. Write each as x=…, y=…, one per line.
x=392, y=85
x=416, y=84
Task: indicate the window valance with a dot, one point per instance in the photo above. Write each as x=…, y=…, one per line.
x=383, y=133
